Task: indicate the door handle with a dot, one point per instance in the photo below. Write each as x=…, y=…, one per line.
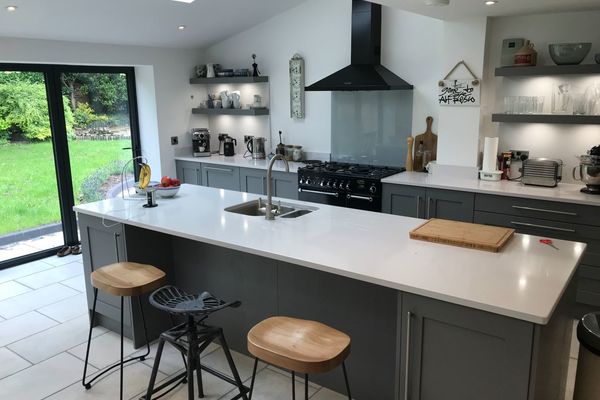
x=572, y=214
x=218, y=169
x=552, y=228
x=418, y=206
x=317, y=192
x=429, y=199
x=353, y=196
x=407, y=360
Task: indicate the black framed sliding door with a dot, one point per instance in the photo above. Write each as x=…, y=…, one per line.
x=66, y=133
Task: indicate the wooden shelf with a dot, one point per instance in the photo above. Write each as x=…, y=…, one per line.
x=581, y=69
x=546, y=118
x=230, y=111
x=229, y=80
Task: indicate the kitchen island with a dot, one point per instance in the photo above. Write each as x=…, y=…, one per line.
x=427, y=321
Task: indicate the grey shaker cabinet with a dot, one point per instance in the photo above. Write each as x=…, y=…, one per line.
x=189, y=172
x=418, y=202
x=253, y=181
x=221, y=177
x=452, y=352
x=285, y=184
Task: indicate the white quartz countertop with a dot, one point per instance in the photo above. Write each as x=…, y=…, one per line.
x=240, y=161
x=524, y=281
x=564, y=192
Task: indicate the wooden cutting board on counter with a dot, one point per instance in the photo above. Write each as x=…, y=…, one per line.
x=463, y=234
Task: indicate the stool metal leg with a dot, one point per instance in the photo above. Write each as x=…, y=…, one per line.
x=305, y=386
x=346, y=379
x=199, y=376
x=159, y=350
x=143, y=357
x=253, y=378
x=293, y=385
x=87, y=351
x=191, y=359
x=234, y=370
x=121, y=377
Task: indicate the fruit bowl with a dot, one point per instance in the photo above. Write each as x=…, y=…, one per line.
x=569, y=53
x=166, y=192
x=152, y=184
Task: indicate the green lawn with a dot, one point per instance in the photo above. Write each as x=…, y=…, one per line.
x=28, y=189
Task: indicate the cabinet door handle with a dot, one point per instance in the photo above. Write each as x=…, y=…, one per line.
x=418, y=206
x=429, y=199
x=572, y=214
x=353, y=196
x=218, y=169
x=407, y=360
x=552, y=228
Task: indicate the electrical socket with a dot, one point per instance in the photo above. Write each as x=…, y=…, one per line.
x=248, y=138
x=174, y=140
x=520, y=154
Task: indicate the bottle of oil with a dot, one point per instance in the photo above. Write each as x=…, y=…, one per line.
x=419, y=157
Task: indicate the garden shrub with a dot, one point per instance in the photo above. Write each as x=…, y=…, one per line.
x=85, y=116
x=90, y=187
x=24, y=110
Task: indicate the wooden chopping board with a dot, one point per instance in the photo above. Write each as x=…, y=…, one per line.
x=429, y=141
x=463, y=234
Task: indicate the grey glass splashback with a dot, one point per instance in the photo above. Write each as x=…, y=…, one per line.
x=371, y=127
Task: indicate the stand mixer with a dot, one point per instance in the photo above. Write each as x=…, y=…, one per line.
x=589, y=171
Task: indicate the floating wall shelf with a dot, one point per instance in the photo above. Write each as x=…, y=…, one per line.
x=581, y=69
x=547, y=118
x=230, y=111
x=229, y=80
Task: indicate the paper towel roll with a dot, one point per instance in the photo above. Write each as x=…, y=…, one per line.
x=490, y=154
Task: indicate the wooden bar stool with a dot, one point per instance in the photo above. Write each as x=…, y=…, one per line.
x=298, y=345
x=124, y=279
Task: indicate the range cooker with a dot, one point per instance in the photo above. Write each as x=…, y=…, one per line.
x=341, y=184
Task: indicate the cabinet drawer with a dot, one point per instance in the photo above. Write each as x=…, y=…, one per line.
x=221, y=177
x=548, y=210
x=552, y=229
x=588, y=285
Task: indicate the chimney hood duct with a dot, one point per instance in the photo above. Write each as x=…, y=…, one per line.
x=365, y=71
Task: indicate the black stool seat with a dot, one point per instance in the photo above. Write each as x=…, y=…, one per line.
x=177, y=301
x=191, y=338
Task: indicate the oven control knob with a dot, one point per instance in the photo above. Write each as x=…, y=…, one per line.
x=328, y=184
x=341, y=185
x=301, y=180
x=307, y=181
x=322, y=182
x=348, y=186
x=335, y=185
x=373, y=189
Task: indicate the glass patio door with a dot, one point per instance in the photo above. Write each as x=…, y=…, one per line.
x=65, y=135
x=30, y=207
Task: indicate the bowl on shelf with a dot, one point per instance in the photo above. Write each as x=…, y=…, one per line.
x=569, y=53
x=166, y=192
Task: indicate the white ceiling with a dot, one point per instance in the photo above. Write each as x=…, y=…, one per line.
x=137, y=22
x=473, y=8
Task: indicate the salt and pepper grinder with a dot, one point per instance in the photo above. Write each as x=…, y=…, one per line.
x=409, y=153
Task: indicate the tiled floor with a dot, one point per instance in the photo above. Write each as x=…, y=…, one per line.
x=43, y=334
x=25, y=247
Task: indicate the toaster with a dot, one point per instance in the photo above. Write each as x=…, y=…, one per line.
x=541, y=172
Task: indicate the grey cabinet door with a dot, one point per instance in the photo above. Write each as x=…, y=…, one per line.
x=253, y=180
x=285, y=184
x=221, y=177
x=455, y=353
x=408, y=201
x=189, y=172
x=449, y=204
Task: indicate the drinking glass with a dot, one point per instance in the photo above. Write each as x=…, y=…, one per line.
x=562, y=101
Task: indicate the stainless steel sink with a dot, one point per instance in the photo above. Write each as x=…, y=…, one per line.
x=257, y=208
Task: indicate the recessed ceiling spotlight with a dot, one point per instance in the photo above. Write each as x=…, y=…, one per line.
x=11, y=8
x=185, y=1
x=491, y=2
x=181, y=27
x=437, y=3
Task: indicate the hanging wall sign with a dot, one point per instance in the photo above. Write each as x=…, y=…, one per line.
x=297, y=87
x=459, y=92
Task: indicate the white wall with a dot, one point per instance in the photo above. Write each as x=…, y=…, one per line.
x=320, y=32
x=542, y=140
x=162, y=84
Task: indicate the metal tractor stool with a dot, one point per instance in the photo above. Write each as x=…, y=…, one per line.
x=298, y=345
x=191, y=338
x=125, y=279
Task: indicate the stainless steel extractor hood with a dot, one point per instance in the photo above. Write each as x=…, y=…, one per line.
x=365, y=71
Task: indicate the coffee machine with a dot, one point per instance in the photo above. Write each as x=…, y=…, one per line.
x=201, y=142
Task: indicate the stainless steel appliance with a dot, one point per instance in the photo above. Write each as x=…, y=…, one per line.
x=341, y=184
x=229, y=147
x=256, y=147
x=589, y=173
x=201, y=142
x=542, y=172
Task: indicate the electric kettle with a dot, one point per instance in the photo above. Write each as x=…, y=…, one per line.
x=229, y=147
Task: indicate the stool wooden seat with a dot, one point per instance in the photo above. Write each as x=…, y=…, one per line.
x=128, y=278
x=298, y=345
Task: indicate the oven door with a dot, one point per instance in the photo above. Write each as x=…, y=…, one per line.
x=368, y=203
x=321, y=196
